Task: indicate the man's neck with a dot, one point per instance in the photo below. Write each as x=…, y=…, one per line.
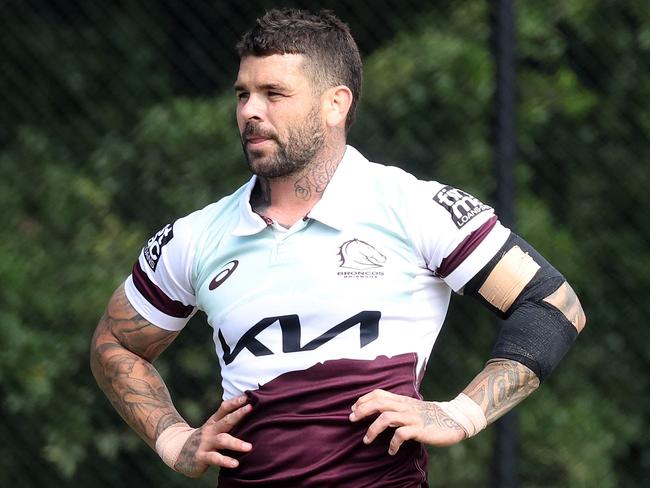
x=288, y=199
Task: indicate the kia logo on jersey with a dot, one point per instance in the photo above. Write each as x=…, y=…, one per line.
x=357, y=254
x=223, y=275
x=291, y=331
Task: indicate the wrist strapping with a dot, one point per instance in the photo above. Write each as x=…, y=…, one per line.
x=466, y=413
x=171, y=441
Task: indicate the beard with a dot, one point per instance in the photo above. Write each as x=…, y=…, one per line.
x=291, y=155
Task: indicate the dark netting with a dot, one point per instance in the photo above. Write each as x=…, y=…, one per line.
x=117, y=117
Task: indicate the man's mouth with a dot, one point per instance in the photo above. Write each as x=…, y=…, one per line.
x=257, y=140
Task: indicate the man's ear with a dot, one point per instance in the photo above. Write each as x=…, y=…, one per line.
x=337, y=102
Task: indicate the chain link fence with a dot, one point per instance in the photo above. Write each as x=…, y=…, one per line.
x=118, y=117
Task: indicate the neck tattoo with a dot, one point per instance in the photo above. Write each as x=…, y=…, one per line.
x=314, y=181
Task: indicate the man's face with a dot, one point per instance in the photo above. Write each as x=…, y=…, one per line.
x=278, y=114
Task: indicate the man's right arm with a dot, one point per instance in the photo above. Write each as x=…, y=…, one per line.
x=123, y=348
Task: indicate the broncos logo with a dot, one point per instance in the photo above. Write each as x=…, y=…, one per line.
x=357, y=254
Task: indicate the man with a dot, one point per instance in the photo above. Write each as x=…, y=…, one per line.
x=326, y=279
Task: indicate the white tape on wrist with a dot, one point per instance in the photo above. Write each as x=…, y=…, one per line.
x=171, y=441
x=466, y=413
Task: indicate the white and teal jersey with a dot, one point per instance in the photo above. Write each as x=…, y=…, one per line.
x=366, y=275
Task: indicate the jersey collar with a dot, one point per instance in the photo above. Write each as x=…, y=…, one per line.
x=336, y=208
x=249, y=222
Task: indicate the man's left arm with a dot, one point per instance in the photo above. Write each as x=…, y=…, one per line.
x=543, y=316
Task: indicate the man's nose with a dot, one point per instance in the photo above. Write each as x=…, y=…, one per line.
x=252, y=108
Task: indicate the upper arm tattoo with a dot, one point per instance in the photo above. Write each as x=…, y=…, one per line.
x=132, y=330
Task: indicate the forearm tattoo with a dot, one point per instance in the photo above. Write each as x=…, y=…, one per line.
x=123, y=346
x=500, y=386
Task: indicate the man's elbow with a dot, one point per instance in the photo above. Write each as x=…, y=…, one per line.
x=103, y=345
x=95, y=355
x=566, y=301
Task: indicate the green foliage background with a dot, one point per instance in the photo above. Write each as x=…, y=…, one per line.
x=100, y=146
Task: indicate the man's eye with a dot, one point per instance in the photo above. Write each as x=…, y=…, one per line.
x=274, y=94
x=242, y=96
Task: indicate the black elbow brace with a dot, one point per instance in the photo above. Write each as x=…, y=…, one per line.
x=534, y=332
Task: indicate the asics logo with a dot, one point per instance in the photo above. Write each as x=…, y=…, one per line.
x=224, y=274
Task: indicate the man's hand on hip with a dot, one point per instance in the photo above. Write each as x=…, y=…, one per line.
x=192, y=451
x=433, y=423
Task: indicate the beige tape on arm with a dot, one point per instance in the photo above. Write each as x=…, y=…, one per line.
x=466, y=413
x=508, y=278
x=171, y=441
x=566, y=301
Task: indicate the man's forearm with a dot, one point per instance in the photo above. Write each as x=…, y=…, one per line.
x=500, y=386
x=129, y=380
x=136, y=391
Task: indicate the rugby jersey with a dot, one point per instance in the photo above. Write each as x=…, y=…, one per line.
x=307, y=319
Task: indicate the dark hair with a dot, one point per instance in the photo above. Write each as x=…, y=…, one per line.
x=325, y=40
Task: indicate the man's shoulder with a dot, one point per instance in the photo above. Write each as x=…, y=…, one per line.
x=220, y=213
x=390, y=174
x=392, y=180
